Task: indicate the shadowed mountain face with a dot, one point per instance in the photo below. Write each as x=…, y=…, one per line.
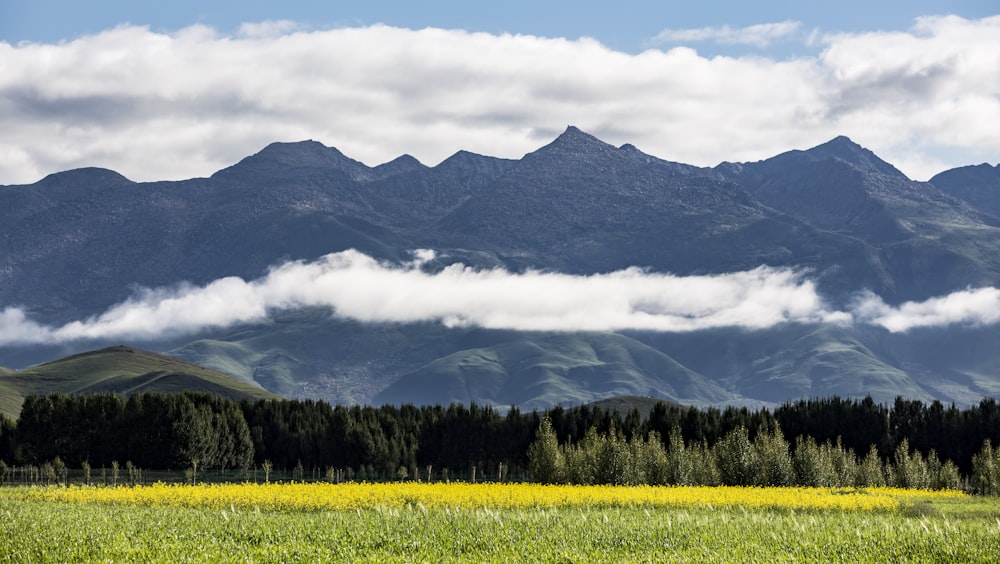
x=979, y=186
x=78, y=242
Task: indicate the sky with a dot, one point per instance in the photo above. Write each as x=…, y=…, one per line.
x=166, y=91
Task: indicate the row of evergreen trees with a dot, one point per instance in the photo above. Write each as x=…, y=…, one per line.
x=175, y=431
x=150, y=430
x=736, y=460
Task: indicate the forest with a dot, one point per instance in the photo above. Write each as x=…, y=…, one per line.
x=178, y=431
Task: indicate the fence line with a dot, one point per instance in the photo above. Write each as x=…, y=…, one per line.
x=31, y=475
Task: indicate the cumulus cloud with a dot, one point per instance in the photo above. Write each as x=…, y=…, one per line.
x=760, y=35
x=974, y=307
x=268, y=29
x=168, y=106
x=358, y=287
x=930, y=86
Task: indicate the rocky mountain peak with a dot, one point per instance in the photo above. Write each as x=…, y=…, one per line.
x=574, y=143
x=278, y=158
x=83, y=177
x=465, y=163
x=843, y=149
x=400, y=165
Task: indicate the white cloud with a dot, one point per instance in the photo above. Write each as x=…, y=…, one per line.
x=268, y=29
x=936, y=85
x=177, y=311
x=16, y=328
x=760, y=35
x=358, y=287
x=168, y=106
x=968, y=307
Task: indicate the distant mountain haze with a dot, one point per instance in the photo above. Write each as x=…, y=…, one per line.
x=579, y=272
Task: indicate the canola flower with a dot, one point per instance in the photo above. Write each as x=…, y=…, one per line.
x=289, y=497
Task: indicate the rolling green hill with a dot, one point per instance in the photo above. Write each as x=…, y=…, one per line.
x=623, y=405
x=311, y=354
x=117, y=369
x=540, y=371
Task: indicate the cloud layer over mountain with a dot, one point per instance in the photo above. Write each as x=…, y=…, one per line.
x=358, y=287
x=976, y=307
x=170, y=106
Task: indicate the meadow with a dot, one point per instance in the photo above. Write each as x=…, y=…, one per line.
x=413, y=522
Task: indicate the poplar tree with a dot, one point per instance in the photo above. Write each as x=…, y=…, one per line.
x=545, y=461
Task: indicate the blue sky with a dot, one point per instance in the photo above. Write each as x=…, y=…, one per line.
x=181, y=89
x=624, y=25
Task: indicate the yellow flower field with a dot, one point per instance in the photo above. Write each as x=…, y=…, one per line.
x=352, y=496
x=459, y=522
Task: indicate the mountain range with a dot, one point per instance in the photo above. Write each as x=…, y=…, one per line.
x=80, y=242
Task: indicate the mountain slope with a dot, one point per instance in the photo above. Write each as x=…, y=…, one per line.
x=78, y=242
x=310, y=353
x=922, y=241
x=580, y=205
x=978, y=185
x=540, y=371
x=120, y=370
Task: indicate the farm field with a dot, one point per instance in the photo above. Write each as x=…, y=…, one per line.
x=408, y=522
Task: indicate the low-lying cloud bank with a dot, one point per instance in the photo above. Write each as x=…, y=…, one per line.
x=977, y=307
x=356, y=286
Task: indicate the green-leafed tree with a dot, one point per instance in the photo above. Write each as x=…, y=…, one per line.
x=681, y=461
x=736, y=459
x=871, y=471
x=653, y=461
x=986, y=470
x=909, y=469
x=775, y=466
x=943, y=474
x=813, y=466
x=844, y=463
x=582, y=459
x=545, y=460
x=613, y=459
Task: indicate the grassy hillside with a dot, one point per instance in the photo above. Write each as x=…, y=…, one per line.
x=538, y=371
x=10, y=398
x=310, y=354
x=117, y=369
x=825, y=362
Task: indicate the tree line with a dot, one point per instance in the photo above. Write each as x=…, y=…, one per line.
x=736, y=460
x=178, y=430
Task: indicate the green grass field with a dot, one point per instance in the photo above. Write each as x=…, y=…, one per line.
x=939, y=530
